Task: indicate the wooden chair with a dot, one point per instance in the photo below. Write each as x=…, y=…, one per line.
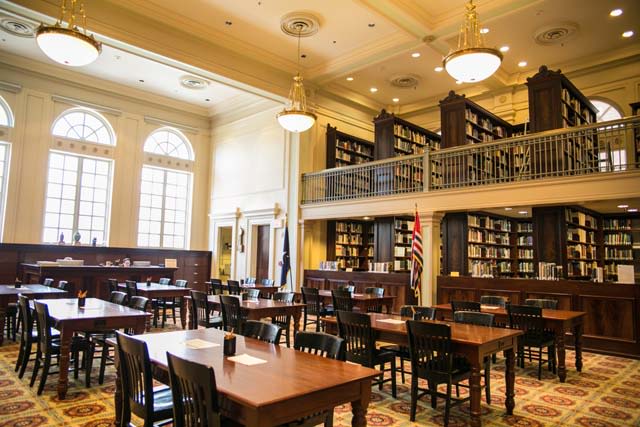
x=64, y=285
x=284, y=321
x=164, y=281
x=342, y=300
x=351, y=288
x=250, y=281
x=234, y=287
x=355, y=329
x=551, y=304
x=313, y=307
x=215, y=287
x=172, y=303
x=118, y=297
x=267, y=282
x=48, y=282
x=48, y=347
x=433, y=360
x=28, y=335
x=263, y=331
x=529, y=319
x=252, y=294
x=195, y=396
x=132, y=288
x=494, y=300
x=113, y=285
x=139, y=396
x=201, y=313
x=465, y=306
x=481, y=319
x=378, y=292
x=231, y=313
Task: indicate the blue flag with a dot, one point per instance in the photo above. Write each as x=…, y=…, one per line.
x=286, y=261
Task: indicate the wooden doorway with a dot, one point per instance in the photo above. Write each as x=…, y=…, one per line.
x=262, y=253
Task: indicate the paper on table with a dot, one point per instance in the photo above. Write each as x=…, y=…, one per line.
x=489, y=307
x=197, y=343
x=394, y=321
x=246, y=359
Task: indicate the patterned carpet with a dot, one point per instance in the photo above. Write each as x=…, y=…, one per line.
x=606, y=393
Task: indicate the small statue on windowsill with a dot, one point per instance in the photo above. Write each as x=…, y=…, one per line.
x=61, y=241
x=76, y=239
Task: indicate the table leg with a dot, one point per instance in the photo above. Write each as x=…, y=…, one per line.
x=577, y=333
x=475, y=391
x=117, y=396
x=151, y=310
x=183, y=312
x=65, y=348
x=296, y=320
x=562, y=367
x=510, y=378
x=3, y=318
x=359, y=407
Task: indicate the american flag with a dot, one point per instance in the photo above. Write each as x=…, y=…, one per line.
x=416, y=257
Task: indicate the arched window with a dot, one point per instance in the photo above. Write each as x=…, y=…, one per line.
x=169, y=142
x=6, y=118
x=165, y=192
x=606, y=111
x=83, y=124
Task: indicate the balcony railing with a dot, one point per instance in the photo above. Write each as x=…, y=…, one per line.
x=602, y=147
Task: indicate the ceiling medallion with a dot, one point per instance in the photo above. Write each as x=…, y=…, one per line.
x=405, y=81
x=557, y=33
x=299, y=24
x=17, y=27
x=193, y=82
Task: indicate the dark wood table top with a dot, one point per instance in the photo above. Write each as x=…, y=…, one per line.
x=256, y=304
x=30, y=290
x=295, y=373
x=548, y=314
x=358, y=297
x=155, y=287
x=460, y=332
x=152, y=269
x=65, y=309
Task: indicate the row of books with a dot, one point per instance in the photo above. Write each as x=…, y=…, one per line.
x=481, y=221
x=476, y=251
x=487, y=236
x=616, y=224
x=525, y=241
x=618, y=254
x=617, y=239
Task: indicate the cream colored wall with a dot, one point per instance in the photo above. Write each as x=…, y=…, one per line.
x=36, y=106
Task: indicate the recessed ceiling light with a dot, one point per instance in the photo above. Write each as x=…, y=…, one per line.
x=415, y=55
x=627, y=34
x=208, y=99
x=438, y=69
x=193, y=82
x=366, y=218
x=504, y=49
x=396, y=99
x=484, y=30
x=349, y=79
x=141, y=81
x=371, y=25
x=523, y=212
x=373, y=89
x=623, y=206
x=522, y=64
x=632, y=210
x=508, y=209
x=615, y=12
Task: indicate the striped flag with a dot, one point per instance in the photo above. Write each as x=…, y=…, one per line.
x=416, y=257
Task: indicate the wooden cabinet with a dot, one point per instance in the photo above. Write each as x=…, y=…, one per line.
x=621, y=244
x=344, y=149
x=635, y=110
x=350, y=243
x=393, y=242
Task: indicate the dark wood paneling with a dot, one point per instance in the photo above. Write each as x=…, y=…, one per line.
x=565, y=301
x=512, y=296
x=454, y=243
x=609, y=317
x=262, y=253
x=447, y=294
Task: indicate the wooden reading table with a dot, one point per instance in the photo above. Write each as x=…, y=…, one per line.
x=560, y=321
x=156, y=291
x=362, y=301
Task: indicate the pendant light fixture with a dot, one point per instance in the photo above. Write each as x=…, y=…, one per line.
x=295, y=117
x=472, y=61
x=69, y=45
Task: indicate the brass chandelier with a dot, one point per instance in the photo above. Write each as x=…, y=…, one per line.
x=69, y=45
x=472, y=61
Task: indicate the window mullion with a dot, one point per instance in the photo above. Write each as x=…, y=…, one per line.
x=164, y=195
x=76, y=212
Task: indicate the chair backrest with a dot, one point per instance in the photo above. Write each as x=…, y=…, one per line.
x=194, y=393
x=342, y=300
x=139, y=303
x=136, y=375
x=43, y=323
x=493, y=300
x=542, y=303
x=216, y=287
x=430, y=349
x=132, y=288
x=48, y=282
x=465, y=306
x=263, y=331
x=181, y=283
x=473, y=317
x=113, y=285
x=231, y=313
x=418, y=312
x=64, y=285
x=283, y=296
x=527, y=318
x=267, y=282
x=250, y=281
x=349, y=288
x=200, y=313
x=118, y=297
x=27, y=318
x=321, y=344
x=379, y=292
x=311, y=298
x=234, y=287
x=252, y=293
x=360, y=343
x=164, y=281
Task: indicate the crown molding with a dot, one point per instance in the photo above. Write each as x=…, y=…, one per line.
x=241, y=107
x=10, y=87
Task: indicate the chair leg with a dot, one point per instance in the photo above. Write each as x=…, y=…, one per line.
x=88, y=363
x=539, y=363
x=402, y=368
x=447, y=405
x=25, y=360
x=487, y=380
x=381, y=376
x=164, y=313
x=45, y=373
x=393, y=377
x=173, y=311
x=433, y=389
x=20, y=356
x=414, y=397
x=457, y=390
x=36, y=368
x=328, y=421
x=103, y=362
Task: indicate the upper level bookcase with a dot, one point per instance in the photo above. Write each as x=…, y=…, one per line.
x=397, y=137
x=344, y=149
x=554, y=102
x=635, y=110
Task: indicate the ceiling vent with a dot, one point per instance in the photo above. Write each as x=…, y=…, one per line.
x=557, y=33
x=405, y=81
x=302, y=23
x=17, y=27
x=193, y=82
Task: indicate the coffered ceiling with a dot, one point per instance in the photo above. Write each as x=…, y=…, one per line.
x=241, y=44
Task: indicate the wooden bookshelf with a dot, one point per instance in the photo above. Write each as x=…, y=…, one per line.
x=345, y=150
x=350, y=243
x=635, y=110
x=621, y=242
x=402, y=232
x=523, y=242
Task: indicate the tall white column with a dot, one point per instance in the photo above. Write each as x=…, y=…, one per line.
x=430, y=222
